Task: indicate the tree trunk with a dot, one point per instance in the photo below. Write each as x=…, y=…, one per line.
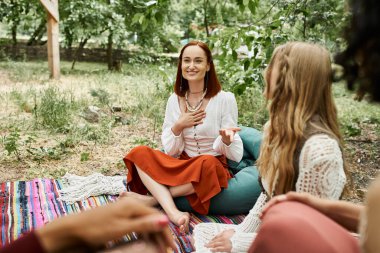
x=205, y=3
x=15, y=18
x=37, y=35
x=68, y=37
x=79, y=51
x=109, y=51
x=304, y=21
x=304, y=26
x=14, y=33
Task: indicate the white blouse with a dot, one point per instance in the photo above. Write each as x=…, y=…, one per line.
x=221, y=112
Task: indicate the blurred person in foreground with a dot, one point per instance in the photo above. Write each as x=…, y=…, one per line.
x=88, y=231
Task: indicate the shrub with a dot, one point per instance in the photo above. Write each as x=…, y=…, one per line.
x=54, y=110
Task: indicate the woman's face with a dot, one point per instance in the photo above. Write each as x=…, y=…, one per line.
x=194, y=63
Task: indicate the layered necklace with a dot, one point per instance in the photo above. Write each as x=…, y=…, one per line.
x=198, y=105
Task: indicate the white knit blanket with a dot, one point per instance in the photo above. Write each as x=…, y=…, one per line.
x=78, y=188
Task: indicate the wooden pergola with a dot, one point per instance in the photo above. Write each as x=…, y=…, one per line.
x=51, y=7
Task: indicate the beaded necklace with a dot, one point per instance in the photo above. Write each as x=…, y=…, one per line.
x=198, y=105
x=196, y=140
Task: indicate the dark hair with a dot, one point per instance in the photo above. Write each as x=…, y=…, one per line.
x=361, y=58
x=211, y=81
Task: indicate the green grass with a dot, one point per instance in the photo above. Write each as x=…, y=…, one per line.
x=142, y=90
x=355, y=115
x=52, y=110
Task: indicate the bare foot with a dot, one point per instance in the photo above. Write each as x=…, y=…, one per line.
x=181, y=219
x=147, y=199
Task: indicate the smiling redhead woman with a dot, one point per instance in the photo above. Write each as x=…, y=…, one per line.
x=199, y=133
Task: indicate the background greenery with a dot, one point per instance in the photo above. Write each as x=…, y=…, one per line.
x=242, y=33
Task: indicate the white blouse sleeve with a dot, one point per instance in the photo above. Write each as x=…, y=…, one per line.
x=234, y=151
x=321, y=170
x=172, y=144
x=241, y=242
x=252, y=221
x=245, y=232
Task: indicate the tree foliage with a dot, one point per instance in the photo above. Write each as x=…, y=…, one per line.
x=242, y=33
x=268, y=24
x=22, y=16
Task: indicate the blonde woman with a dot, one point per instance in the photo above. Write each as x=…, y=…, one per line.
x=301, y=149
x=328, y=222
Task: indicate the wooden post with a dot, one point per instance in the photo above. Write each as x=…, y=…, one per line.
x=51, y=7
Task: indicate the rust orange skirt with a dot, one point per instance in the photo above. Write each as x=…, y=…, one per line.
x=208, y=174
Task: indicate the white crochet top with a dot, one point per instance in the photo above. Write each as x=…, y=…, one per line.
x=221, y=112
x=320, y=173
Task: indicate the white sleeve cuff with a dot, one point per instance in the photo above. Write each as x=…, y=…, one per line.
x=176, y=136
x=241, y=242
x=234, y=151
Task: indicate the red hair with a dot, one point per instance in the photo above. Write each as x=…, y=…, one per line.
x=213, y=85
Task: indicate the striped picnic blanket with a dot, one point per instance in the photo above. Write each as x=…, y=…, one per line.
x=25, y=205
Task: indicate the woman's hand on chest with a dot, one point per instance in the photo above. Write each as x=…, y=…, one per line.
x=188, y=119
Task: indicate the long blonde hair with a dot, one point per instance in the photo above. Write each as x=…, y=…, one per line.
x=302, y=90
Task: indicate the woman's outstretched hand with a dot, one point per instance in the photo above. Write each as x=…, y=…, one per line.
x=228, y=134
x=221, y=242
x=95, y=227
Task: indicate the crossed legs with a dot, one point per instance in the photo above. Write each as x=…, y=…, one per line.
x=175, y=191
x=163, y=195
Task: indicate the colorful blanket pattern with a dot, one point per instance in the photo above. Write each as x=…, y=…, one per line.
x=25, y=205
